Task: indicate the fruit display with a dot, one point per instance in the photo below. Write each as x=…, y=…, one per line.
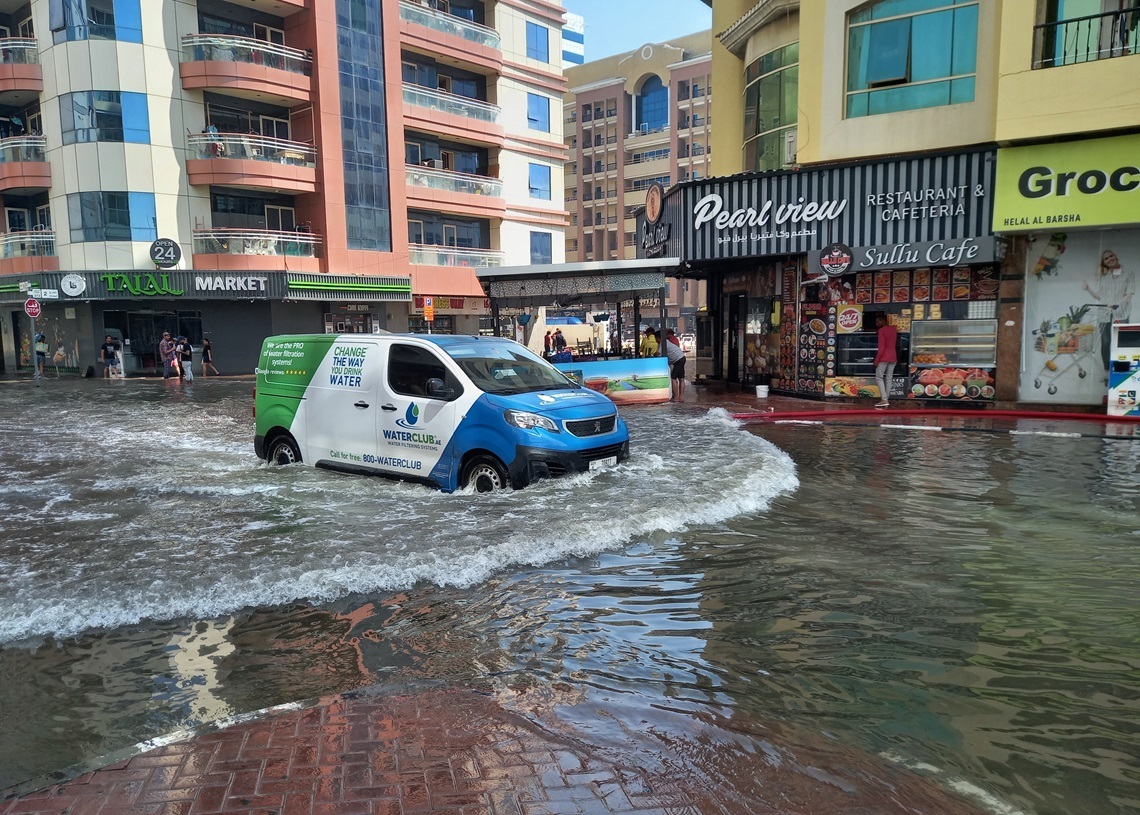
x=929, y=359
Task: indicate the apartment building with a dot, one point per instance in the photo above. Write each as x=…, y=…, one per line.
x=634, y=120
x=969, y=172
x=237, y=168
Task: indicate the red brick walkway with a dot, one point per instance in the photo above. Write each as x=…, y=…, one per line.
x=462, y=753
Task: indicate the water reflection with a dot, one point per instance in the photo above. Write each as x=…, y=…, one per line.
x=960, y=602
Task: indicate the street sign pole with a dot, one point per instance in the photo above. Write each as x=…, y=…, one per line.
x=32, y=309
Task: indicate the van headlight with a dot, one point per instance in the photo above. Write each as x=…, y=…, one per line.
x=527, y=421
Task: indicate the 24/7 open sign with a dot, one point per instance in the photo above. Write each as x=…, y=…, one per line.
x=165, y=253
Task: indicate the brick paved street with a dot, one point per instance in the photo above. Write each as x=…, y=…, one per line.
x=459, y=752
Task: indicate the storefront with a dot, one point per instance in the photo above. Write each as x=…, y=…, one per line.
x=451, y=315
x=234, y=310
x=1075, y=207
x=799, y=264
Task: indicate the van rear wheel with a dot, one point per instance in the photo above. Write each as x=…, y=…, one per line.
x=485, y=474
x=283, y=450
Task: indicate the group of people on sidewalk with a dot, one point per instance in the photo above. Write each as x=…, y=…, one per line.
x=175, y=354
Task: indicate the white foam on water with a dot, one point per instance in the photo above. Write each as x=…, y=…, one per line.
x=186, y=540
x=957, y=784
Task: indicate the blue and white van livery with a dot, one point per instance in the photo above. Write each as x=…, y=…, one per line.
x=449, y=411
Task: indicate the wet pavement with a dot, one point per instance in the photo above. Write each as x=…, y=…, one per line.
x=501, y=750
x=465, y=752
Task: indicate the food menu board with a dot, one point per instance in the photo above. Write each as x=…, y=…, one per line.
x=954, y=384
x=816, y=352
x=926, y=285
x=785, y=369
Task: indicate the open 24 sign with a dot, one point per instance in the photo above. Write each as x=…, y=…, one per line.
x=165, y=253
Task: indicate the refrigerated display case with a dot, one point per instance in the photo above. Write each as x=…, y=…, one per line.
x=953, y=359
x=856, y=353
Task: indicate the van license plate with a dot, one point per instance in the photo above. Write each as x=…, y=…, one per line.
x=599, y=463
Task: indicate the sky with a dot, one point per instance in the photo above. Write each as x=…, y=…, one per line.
x=615, y=26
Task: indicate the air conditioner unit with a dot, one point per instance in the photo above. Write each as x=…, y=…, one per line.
x=436, y=163
x=790, y=147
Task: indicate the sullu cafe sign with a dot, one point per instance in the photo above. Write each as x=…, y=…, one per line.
x=1080, y=183
x=906, y=255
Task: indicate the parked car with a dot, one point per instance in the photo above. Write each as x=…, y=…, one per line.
x=689, y=343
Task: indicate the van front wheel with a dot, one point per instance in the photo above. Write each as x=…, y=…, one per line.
x=283, y=450
x=485, y=474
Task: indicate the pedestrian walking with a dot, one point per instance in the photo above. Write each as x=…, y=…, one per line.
x=546, y=341
x=166, y=354
x=886, y=357
x=184, y=351
x=109, y=356
x=41, y=350
x=208, y=357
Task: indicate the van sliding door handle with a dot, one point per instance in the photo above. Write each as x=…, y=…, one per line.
x=387, y=407
x=360, y=404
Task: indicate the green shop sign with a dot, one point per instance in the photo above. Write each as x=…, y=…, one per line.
x=140, y=285
x=1068, y=184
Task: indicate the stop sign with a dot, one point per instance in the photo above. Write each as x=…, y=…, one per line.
x=32, y=307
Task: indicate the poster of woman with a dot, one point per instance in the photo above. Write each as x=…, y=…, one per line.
x=1070, y=310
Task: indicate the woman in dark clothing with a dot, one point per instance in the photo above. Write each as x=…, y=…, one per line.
x=208, y=358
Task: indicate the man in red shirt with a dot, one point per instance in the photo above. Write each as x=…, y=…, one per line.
x=885, y=359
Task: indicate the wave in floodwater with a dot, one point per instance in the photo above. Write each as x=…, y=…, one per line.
x=123, y=516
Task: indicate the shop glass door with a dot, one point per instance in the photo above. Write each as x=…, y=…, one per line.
x=736, y=319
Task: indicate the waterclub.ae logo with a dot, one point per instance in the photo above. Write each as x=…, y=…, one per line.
x=411, y=417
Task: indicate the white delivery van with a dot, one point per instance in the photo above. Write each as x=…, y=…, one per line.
x=449, y=411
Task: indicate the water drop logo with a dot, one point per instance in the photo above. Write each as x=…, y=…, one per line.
x=411, y=417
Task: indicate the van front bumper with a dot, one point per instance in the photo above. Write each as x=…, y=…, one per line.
x=533, y=463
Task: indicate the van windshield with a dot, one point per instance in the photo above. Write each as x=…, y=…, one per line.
x=508, y=368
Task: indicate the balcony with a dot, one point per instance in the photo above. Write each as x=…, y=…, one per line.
x=23, y=167
x=245, y=67
x=255, y=249
x=452, y=115
x=24, y=252
x=1086, y=39
x=449, y=24
x=20, y=71
x=458, y=193
x=427, y=255
x=251, y=161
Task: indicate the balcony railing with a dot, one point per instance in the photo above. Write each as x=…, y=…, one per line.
x=217, y=48
x=419, y=176
x=255, y=242
x=22, y=148
x=1086, y=39
x=450, y=103
x=19, y=51
x=429, y=255
x=449, y=24
x=33, y=244
x=253, y=147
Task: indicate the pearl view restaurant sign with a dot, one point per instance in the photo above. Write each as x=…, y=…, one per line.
x=944, y=199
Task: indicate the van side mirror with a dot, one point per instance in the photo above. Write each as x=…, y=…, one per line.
x=436, y=389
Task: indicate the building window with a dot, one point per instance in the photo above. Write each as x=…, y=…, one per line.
x=540, y=181
x=770, y=101
x=104, y=116
x=905, y=61
x=652, y=105
x=540, y=247
x=364, y=124
x=538, y=112
x=537, y=42
x=71, y=20
x=111, y=216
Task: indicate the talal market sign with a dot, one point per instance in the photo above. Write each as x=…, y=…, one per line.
x=1082, y=183
x=154, y=284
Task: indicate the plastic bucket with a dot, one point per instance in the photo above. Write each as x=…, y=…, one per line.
x=761, y=391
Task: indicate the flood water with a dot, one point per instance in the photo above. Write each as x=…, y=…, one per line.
x=962, y=604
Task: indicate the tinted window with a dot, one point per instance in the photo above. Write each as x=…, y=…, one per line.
x=410, y=367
